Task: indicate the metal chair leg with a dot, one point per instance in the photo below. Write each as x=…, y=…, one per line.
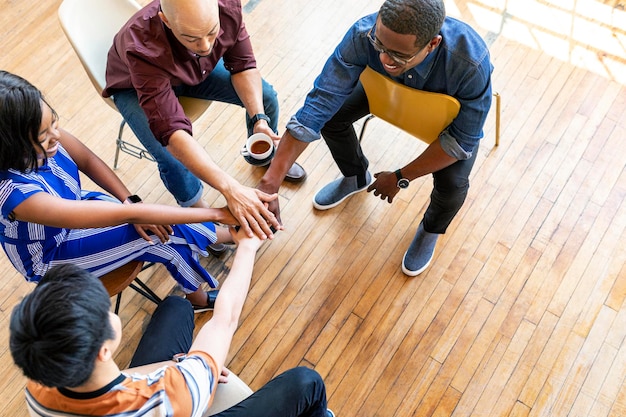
x=365, y=122
x=497, y=96
x=118, y=143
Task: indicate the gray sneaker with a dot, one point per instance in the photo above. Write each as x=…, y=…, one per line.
x=420, y=253
x=333, y=193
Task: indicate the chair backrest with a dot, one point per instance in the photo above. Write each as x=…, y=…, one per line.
x=90, y=26
x=420, y=113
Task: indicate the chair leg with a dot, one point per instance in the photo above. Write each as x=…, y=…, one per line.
x=497, y=96
x=118, y=301
x=127, y=147
x=143, y=289
x=367, y=119
x=118, y=143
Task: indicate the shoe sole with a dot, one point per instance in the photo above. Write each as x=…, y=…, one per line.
x=411, y=273
x=217, y=252
x=329, y=206
x=197, y=310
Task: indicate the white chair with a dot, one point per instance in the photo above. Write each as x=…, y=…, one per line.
x=90, y=26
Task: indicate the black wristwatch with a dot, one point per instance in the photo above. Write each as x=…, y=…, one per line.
x=402, y=182
x=133, y=199
x=259, y=116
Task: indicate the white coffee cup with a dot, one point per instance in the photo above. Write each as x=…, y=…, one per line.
x=260, y=146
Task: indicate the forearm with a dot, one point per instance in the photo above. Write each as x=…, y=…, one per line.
x=53, y=211
x=249, y=88
x=195, y=158
x=288, y=151
x=100, y=173
x=92, y=166
x=215, y=336
x=433, y=159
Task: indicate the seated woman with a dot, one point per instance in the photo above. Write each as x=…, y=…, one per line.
x=47, y=220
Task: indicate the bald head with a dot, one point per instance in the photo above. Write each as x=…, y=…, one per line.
x=187, y=11
x=195, y=23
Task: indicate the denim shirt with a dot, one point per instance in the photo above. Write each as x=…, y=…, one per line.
x=459, y=67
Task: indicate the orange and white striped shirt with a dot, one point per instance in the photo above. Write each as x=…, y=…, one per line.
x=182, y=389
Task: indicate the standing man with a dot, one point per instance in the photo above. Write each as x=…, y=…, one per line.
x=64, y=337
x=414, y=43
x=200, y=49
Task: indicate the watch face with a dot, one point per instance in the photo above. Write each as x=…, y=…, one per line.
x=134, y=199
x=403, y=183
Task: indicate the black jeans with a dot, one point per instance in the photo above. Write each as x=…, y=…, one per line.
x=450, y=185
x=298, y=392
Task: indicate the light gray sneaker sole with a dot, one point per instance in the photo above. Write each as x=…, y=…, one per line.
x=411, y=273
x=335, y=204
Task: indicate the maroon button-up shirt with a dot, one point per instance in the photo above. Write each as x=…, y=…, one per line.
x=147, y=57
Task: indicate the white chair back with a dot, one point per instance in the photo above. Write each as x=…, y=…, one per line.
x=90, y=26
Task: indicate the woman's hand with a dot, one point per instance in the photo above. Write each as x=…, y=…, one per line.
x=162, y=232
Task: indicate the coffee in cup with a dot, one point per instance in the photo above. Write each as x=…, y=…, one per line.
x=260, y=146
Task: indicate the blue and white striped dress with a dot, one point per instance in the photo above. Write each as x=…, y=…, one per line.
x=34, y=248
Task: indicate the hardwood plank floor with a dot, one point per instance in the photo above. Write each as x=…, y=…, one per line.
x=522, y=312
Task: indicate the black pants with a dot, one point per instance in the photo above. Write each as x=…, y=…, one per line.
x=298, y=392
x=450, y=185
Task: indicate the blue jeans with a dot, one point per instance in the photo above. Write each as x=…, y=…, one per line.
x=182, y=184
x=450, y=184
x=298, y=392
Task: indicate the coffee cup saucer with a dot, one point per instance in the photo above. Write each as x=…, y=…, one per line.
x=256, y=162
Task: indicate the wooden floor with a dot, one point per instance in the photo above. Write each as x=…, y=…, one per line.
x=522, y=312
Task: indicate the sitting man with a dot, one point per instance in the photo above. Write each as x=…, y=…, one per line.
x=414, y=43
x=63, y=337
x=199, y=49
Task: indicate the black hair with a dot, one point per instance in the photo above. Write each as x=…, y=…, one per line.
x=422, y=18
x=57, y=330
x=20, y=121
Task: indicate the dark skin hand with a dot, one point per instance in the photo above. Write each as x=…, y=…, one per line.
x=385, y=185
x=431, y=160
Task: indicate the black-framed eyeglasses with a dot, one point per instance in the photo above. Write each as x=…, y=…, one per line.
x=398, y=58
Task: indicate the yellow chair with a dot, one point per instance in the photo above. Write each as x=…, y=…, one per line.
x=90, y=26
x=419, y=113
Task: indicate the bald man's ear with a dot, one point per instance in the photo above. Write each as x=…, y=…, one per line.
x=164, y=19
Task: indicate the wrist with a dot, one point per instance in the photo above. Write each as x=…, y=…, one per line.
x=268, y=184
x=259, y=117
x=133, y=199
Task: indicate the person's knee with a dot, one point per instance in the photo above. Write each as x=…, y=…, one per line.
x=176, y=306
x=306, y=379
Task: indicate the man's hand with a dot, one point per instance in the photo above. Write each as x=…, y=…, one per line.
x=223, y=378
x=263, y=127
x=249, y=207
x=385, y=185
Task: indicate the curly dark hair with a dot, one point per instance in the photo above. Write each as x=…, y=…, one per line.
x=57, y=330
x=20, y=120
x=422, y=18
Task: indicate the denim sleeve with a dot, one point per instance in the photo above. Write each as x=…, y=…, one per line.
x=475, y=95
x=333, y=85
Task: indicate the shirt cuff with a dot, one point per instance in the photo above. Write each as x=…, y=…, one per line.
x=452, y=147
x=301, y=132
